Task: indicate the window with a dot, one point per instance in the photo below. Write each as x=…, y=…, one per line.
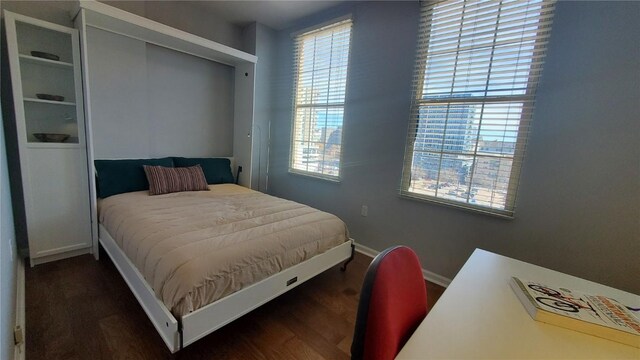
x=477, y=70
x=321, y=59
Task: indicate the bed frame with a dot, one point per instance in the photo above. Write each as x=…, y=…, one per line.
x=177, y=334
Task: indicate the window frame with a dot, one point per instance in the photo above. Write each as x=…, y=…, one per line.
x=526, y=118
x=336, y=22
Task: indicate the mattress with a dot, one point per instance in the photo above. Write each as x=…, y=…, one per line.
x=196, y=247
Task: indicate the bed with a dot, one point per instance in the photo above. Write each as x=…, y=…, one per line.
x=187, y=314
x=197, y=260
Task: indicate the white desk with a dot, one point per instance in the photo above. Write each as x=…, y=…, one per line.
x=480, y=317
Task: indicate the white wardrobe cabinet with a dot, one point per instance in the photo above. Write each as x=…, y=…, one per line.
x=46, y=80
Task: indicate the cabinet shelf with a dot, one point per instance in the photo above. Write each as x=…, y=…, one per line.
x=33, y=100
x=46, y=62
x=55, y=175
x=52, y=145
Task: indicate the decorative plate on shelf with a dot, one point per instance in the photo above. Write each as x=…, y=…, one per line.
x=50, y=97
x=48, y=137
x=45, y=55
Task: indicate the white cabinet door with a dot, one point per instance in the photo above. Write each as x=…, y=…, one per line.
x=46, y=80
x=58, y=216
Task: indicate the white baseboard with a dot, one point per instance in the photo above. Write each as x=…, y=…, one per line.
x=428, y=275
x=366, y=250
x=436, y=278
x=19, y=350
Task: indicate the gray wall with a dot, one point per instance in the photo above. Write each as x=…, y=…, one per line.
x=578, y=206
x=189, y=16
x=52, y=11
x=261, y=41
x=264, y=99
x=159, y=84
x=8, y=258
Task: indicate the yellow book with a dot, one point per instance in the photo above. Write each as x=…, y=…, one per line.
x=590, y=314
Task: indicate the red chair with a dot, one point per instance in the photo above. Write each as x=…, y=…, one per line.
x=393, y=302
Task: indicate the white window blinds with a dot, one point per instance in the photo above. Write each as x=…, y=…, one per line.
x=478, y=66
x=321, y=61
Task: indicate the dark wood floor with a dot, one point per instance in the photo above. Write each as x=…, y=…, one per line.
x=80, y=308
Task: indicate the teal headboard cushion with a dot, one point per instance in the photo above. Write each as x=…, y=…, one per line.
x=122, y=176
x=216, y=170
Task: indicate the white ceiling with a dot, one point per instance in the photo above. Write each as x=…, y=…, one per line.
x=276, y=14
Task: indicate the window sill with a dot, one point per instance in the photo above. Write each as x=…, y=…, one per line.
x=507, y=215
x=311, y=175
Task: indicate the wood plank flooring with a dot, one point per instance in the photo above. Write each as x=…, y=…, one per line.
x=80, y=308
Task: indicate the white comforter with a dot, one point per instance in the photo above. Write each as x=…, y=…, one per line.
x=194, y=248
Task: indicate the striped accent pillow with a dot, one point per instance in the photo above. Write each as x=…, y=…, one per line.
x=164, y=180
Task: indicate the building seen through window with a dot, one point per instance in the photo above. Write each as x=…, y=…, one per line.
x=322, y=58
x=479, y=62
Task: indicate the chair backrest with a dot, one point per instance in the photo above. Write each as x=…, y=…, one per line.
x=393, y=302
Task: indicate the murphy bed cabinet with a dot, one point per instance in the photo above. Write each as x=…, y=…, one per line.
x=50, y=134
